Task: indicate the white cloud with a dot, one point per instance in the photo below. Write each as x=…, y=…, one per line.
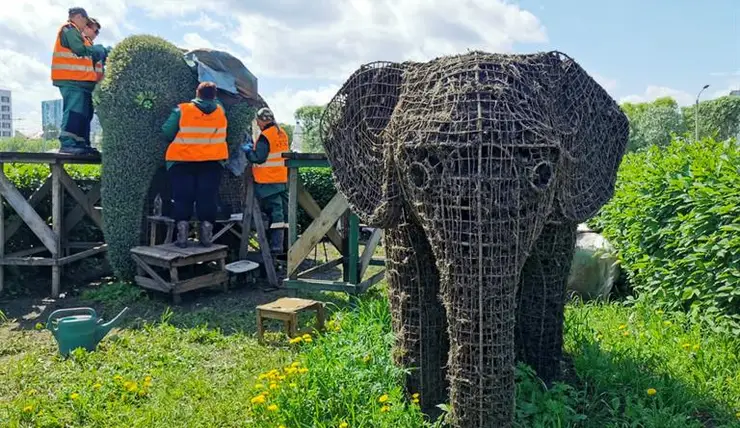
x=195, y=41
x=608, y=84
x=284, y=103
x=29, y=87
x=359, y=31
x=206, y=23
x=653, y=92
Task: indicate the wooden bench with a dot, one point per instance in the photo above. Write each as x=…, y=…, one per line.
x=170, y=258
x=287, y=309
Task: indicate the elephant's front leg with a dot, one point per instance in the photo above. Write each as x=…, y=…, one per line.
x=541, y=299
x=418, y=316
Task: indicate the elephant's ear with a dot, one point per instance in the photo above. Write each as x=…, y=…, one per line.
x=594, y=133
x=359, y=150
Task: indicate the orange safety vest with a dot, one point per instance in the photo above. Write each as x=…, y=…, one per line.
x=273, y=170
x=98, y=65
x=202, y=137
x=66, y=65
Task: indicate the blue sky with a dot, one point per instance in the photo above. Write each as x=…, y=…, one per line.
x=301, y=51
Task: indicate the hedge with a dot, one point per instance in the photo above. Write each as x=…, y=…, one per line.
x=675, y=221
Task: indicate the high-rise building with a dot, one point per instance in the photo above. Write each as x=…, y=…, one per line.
x=6, y=113
x=51, y=121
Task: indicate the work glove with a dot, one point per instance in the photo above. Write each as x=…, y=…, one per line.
x=248, y=145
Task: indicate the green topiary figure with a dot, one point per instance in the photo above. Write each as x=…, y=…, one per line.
x=146, y=77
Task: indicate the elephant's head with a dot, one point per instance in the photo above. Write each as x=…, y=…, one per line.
x=481, y=150
x=498, y=131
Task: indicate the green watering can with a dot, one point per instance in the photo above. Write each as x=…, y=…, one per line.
x=79, y=328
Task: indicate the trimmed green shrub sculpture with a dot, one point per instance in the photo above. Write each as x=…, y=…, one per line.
x=146, y=77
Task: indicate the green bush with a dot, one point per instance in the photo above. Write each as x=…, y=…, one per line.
x=320, y=184
x=675, y=220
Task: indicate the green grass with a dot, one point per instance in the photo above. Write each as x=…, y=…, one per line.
x=173, y=370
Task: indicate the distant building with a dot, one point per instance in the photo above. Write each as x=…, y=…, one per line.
x=51, y=121
x=735, y=93
x=6, y=114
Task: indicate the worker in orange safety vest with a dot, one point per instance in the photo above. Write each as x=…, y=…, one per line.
x=194, y=159
x=270, y=174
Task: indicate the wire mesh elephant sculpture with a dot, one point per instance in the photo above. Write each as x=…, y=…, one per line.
x=479, y=167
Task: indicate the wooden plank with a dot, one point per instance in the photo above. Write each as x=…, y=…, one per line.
x=171, y=252
x=28, y=252
x=223, y=230
x=80, y=197
x=318, y=285
x=81, y=245
x=247, y=211
x=35, y=198
x=367, y=255
x=155, y=276
x=371, y=281
x=77, y=213
x=293, y=206
x=304, y=156
x=265, y=247
x=49, y=158
x=209, y=280
x=83, y=254
x=57, y=211
x=318, y=228
x=203, y=258
x=27, y=261
x=314, y=210
x=322, y=267
x=377, y=262
x=150, y=284
x=28, y=214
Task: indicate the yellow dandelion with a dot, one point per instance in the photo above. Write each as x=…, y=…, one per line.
x=344, y=425
x=295, y=365
x=148, y=379
x=686, y=346
x=272, y=407
x=32, y=392
x=260, y=399
x=293, y=385
x=142, y=393
x=296, y=340
x=303, y=370
x=415, y=400
x=696, y=347
x=281, y=377
x=626, y=333
x=281, y=426
x=291, y=370
x=416, y=395
x=383, y=398
x=74, y=396
x=599, y=337
x=385, y=409
x=623, y=326
x=259, y=386
x=307, y=339
x=273, y=386
x=651, y=391
x=97, y=386
x=366, y=359
x=667, y=323
x=131, y=386
x=28, y=409
x=306, y=336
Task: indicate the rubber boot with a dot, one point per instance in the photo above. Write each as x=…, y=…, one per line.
x=276, y=240
x=183, y=230
x=206, y=234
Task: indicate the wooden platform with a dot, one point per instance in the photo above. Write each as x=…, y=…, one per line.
x=55, y=249
x=171, y=259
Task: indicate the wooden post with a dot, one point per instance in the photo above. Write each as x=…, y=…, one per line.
x=247, y=212
x=353, y=233
x=56, y=209
x=2, y=234
x=292, y=205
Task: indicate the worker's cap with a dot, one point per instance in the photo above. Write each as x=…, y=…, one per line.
x=78, y=11
x=265, y=114
x=92, y=22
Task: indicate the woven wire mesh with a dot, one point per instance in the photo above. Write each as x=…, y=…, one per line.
x=483, y=149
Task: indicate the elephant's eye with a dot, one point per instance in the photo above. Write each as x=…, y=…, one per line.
x=541, y=175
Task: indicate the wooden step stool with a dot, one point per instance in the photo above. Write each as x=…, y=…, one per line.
x=287, y=309
x=170, y=258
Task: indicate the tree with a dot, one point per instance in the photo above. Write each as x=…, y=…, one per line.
x=309, y=118
x=288, y=130
x=653, y=123
x=718, y=118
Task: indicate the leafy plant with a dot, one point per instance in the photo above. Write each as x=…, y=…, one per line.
x=674, y=219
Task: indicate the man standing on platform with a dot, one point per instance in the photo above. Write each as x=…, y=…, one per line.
x=73, y=72
x=270, y=173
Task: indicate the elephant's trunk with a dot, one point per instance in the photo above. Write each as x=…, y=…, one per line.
x=478, y=289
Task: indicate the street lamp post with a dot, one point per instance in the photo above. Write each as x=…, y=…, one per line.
x=696, y=114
